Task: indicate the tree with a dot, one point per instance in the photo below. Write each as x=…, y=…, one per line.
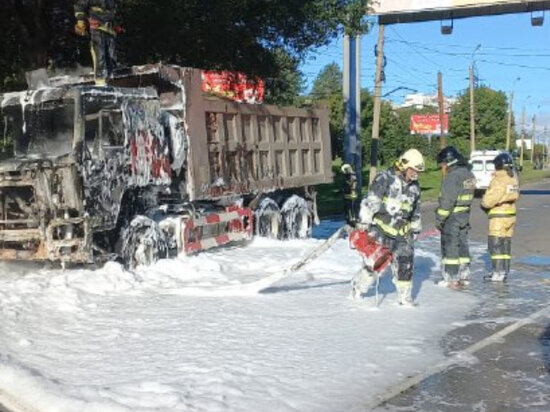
x=286, y=87
x=244, y=35
x=327, y=91
x=327, y=83
x=491, y=117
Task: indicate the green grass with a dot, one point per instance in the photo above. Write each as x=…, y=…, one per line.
x=528, y=174
x=330, y=200
x=329, y=196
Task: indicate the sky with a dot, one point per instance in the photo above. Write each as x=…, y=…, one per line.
x=510, y=48
x=110, y=340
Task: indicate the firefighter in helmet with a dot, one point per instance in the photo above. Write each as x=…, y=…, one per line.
x=499, y=201
x=453, y=216
x=350, y=193
x=97, y=17
x=390, y=212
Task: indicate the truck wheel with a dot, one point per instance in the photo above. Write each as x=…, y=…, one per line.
x=144, y=243
x=297, y=219
x=267, y=219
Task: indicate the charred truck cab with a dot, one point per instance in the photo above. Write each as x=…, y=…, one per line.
x=152, y=166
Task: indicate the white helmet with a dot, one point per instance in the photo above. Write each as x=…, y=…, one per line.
x=413, y=159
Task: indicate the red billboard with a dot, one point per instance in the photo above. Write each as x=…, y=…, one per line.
x=428, y=124
x=233, y=85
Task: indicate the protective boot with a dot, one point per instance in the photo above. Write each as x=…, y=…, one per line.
x=499, y=276
x=464, y=274
x=404, y=292
x=361, y=283
x=450, y=280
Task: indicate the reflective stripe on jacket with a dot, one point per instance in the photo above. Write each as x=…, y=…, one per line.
x=457, y=193
x=500, y=202
x=392, y=204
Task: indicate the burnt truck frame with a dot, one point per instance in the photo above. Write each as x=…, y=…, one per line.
x=152, y=164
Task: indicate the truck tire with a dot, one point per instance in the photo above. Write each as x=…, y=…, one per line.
x=297, y=218
x=267, y=219
x=143, y=243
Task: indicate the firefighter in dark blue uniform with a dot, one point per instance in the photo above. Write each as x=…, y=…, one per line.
x=453, y=216
x=350, y=193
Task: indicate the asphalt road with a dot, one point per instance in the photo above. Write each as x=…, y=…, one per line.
x=499, y=358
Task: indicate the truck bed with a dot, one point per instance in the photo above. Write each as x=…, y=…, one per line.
x=239, y=148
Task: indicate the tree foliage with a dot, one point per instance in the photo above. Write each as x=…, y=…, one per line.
x=286, y=87
x=327, y=91
x=491, y=119
x=244, y=35
x=327, y=83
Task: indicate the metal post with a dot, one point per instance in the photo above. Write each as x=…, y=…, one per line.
x=376, y=110
x=472, y=112
x=352, y=106
x=522, y=138
x=442, y=140
x=546, y=141
x=509, y=125
x=533, y=140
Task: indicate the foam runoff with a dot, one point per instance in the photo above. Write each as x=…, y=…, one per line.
x=152, y=339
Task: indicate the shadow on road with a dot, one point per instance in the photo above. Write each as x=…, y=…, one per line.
x=293, y=288
x=545, y=343
x=535, y=192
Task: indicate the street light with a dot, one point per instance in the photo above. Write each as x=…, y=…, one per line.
x=522, y=134
x=533, y=136
x=510, y=110
x=537, y=18
x=472, y=112
x=447, y=26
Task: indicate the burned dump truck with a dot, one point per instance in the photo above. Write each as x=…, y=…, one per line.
x=152, y=166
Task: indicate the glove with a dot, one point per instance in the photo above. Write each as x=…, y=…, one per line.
x=80, y=28
x=362, y=226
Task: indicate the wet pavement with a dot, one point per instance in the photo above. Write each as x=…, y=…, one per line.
x=511, y=372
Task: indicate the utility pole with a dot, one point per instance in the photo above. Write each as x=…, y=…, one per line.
x=472, y=112
x=522, y=138
x=546, y=144
x=376, y=110
x=533, y=140
x=509, y=125
x=352, y=107
x=442, y=141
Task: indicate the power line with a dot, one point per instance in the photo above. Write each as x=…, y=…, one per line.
x=466, y=47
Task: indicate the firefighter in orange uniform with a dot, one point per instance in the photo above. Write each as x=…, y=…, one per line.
x=499, y=201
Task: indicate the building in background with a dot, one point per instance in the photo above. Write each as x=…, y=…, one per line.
x=421, y=100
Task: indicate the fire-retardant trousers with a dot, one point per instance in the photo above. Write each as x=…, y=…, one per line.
x=402, y=248
x=455, y=252
x=103, y=51
x=401, y=266
x=500, y=249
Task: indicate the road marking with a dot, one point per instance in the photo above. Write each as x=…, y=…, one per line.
x=457, y=358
